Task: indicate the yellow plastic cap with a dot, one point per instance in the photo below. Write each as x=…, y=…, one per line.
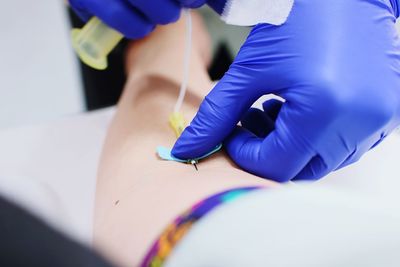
x=94, y=42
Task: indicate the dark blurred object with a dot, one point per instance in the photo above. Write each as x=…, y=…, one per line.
x=221, y=62
x=26, y=241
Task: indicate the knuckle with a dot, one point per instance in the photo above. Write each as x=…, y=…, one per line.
x=326, y=94
x=362, y=102
x=334, y=97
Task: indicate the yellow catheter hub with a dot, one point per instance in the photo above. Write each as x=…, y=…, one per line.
x=177, y=122
x=94, y=42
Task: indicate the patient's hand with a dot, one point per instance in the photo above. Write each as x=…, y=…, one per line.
x=138, y=194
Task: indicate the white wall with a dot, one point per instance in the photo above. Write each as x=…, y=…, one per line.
x=38, y=71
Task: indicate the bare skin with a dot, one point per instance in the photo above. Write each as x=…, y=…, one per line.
x=138, y=194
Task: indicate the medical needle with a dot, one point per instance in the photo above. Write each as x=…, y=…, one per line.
x=194, y=163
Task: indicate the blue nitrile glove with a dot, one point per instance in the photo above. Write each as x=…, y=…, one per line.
x=135, y=18
x=217, y=5
x=337, y=65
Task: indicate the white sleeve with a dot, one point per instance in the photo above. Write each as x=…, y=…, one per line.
x=252, y=12
x=294, y=227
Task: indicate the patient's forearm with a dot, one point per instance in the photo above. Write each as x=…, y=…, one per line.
x=137, y=193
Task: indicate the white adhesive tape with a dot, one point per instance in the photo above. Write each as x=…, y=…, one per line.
x=252, y=12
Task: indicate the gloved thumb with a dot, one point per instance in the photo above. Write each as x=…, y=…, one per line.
x=218, y=114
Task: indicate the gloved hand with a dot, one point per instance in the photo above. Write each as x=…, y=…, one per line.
x=337, y=65
x=133, y=18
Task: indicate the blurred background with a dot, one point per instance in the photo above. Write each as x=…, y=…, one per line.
x=41, y=78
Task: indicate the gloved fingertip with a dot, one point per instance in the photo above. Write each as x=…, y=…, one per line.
x=139, y=33
x=190, y=145
x=182, y=150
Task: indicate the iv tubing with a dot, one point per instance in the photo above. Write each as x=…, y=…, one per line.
x=186, y=63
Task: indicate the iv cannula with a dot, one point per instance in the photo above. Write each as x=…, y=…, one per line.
x=96, y=40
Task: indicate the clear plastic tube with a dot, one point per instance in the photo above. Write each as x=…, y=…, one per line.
x=186, y=61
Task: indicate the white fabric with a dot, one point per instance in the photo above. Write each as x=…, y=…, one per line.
x=294, y=226
x=376, y=175
x=252, y=12
x=349, y=218
x=50, y=169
